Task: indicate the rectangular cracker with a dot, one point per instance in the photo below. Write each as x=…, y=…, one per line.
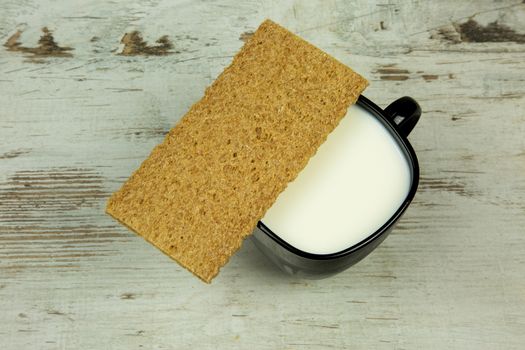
x=204, y=188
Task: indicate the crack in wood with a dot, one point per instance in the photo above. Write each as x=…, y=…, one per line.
x=392, y=73
x=48, y=207
x=391, y=70
x=57, y=189
x=127, y=296
x=447, y=185
x=246, y=36
x=59, y=313
x=134, y=45
x=472, y=31
x=14, y=153
x=429, y=77
x=394, y=77
x=47, y=47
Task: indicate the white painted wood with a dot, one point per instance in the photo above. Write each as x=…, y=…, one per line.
x=72, y=129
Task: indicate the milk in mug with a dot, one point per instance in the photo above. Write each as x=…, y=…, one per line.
x=356, y=181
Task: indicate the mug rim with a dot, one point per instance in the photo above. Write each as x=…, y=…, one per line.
x=413, y=164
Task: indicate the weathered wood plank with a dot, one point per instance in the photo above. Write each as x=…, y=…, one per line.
x=73, y=128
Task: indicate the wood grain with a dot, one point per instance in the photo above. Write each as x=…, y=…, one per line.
x=73, y=128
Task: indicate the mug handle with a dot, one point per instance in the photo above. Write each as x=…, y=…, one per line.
x=404, y=113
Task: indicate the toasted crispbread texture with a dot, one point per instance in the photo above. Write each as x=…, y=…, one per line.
x=203, y=190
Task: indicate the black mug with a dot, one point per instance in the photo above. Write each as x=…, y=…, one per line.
x=399, y=118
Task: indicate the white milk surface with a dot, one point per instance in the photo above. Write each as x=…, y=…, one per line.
x=356, y=181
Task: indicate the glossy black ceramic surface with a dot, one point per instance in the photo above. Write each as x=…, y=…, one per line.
x=399, y=118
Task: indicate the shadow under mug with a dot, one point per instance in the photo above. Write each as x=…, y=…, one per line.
x=399, y=118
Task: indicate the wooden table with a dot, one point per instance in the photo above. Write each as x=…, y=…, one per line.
x=77, y=117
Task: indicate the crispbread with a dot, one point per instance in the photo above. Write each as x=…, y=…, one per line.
x=203, y=189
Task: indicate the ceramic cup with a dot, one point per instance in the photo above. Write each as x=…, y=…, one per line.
x=399, y=118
